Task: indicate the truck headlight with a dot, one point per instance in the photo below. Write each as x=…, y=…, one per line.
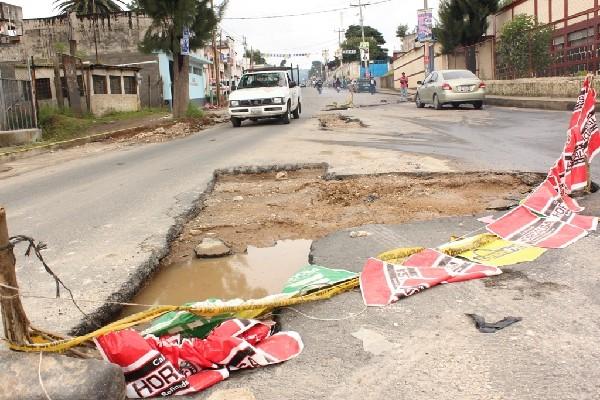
x=234, y=103
x=278, y=100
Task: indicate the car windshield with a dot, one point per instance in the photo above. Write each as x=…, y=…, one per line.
x=459, y=75
x=271, y=79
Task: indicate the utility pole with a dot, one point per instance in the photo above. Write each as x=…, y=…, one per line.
x=216, y=61
x=362, y=26
x=95, y=29
x=245, y=43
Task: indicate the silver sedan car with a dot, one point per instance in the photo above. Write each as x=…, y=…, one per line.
x=454, y=86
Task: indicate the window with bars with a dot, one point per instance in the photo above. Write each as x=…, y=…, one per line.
x=99, y=82
x=42, y=89
x=130, y=84
x=115, y=85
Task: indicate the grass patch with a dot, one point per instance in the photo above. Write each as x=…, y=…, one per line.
x=58, y=125
x=193, y=111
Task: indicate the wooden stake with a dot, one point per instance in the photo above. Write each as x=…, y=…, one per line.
x=15, y=322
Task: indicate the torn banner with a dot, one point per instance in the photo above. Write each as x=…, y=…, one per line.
x=546, y=201
x=498, y=253
x=523, y=226
x=173, y=365
x=383, y=283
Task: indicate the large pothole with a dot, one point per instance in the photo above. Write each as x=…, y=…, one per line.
x=252, y=212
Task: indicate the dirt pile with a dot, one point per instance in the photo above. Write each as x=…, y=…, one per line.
x=339, y=121
x=304, y=206
x=174, y=130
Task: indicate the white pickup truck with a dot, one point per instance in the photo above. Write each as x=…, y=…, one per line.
x=265, y=93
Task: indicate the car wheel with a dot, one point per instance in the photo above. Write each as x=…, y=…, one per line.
x=436, y=102
x=297, y=111
x=418, y=101
x=455, y=105
x=253, y=119
x=236, y=122
x=478, y=105
x=285, y=118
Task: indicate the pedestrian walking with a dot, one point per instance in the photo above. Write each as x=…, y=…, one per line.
x=404, y=85
x=372, y=85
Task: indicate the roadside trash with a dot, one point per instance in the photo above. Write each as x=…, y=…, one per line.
x=496, y=253
x=371, y=198
x=485, y=327
x=310, y=277
x=383, y=283
x=177, y=366
x=357, y=234
x=237, y=198
x=523, y=226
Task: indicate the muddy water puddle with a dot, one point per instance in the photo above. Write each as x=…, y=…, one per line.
x=255, y=274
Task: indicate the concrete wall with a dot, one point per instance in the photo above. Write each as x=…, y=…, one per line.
x=412, y=64
x=348, y=70
x=105, y=103
x=560, y=87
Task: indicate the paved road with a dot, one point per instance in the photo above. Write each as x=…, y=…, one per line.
x=106, y=216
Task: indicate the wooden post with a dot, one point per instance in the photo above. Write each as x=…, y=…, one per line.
x=15, y=322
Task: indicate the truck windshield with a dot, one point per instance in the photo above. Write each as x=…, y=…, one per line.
x=270, y=79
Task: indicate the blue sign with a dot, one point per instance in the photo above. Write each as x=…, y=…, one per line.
x=185, y=42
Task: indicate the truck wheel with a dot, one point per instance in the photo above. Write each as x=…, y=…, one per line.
x=297, y=111
x=236, y=122
x=285, y=118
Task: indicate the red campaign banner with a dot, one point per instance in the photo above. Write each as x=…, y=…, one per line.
x=523, y=226
x=546, y=201
x=173, y=365
x=583, y=130
x=383, y=283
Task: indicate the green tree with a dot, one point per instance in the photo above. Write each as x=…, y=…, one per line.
x=372, y=35
x=402, y=30
x=256, y=57
x=82, y=7
x=463, y=23
x=315, y=69
x=169, y=19
x=524, y=48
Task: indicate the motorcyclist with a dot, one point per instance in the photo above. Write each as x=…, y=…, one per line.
x=319, y=85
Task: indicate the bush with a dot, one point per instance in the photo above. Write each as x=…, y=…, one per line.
x=193, y=111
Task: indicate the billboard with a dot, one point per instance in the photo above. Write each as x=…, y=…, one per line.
x=425, y=25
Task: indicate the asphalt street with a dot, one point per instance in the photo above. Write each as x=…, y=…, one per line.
x=106, y=216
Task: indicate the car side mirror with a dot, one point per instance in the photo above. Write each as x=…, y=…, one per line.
x=293, y=84
x=419, y=82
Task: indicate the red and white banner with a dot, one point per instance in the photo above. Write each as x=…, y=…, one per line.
x=545, y=200
x=523, y=226
x=172, y=365
x=383, y=283
x=583, y=143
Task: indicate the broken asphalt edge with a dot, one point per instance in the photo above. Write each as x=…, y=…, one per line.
x=144, y=272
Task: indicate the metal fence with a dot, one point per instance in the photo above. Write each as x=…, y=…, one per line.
x=17, y=106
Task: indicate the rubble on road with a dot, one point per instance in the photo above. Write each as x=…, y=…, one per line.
x=333, y=121
x=212, y=247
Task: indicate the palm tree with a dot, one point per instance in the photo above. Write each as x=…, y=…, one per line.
x=82, y=7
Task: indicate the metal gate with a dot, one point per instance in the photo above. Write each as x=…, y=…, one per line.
x=17, y=107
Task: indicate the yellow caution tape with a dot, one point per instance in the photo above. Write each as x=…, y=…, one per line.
x=148, y=315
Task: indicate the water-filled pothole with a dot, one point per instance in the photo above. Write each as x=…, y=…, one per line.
x=255, y=274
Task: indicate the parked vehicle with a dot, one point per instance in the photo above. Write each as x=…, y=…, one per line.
x=456, y=87
x=362, y=85
x=265, y=93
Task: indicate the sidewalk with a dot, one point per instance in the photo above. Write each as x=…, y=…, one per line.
x=542, y=103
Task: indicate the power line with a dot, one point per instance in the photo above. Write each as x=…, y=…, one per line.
x=373, y=3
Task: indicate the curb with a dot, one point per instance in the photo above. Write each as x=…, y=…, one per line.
x=542, y=104
x=66, y=144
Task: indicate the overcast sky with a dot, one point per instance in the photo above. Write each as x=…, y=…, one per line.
x=311, y=33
